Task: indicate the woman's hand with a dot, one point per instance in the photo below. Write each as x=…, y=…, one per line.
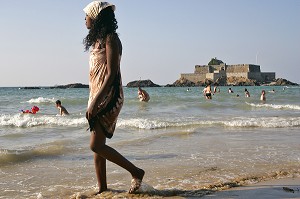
x=91, y=111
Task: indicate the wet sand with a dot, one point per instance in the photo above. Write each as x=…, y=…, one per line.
x=273, y=189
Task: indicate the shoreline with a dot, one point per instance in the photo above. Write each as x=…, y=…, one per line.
x=269, y=189
x=287, y=187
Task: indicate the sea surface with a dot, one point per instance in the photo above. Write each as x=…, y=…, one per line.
x=188, y=146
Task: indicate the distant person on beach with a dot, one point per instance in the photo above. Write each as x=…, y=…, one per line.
x=230, y=91
x=62, y=109
x=106, y=91
x=247, y=93
x=143, y=95
x=207, y=92
x=263, y=95
x=33, y=110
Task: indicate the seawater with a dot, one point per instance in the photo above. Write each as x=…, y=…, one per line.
x=187, y=145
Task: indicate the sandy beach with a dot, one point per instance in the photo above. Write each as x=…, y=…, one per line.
x=273, y=189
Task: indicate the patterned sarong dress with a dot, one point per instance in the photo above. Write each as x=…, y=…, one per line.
x=110, y=107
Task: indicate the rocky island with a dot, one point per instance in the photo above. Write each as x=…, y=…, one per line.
x=75, y=85
x=142, y=83
x=217, y=72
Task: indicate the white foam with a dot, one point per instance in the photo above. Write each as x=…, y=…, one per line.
x=41, y=100
x=142, y=123
x=267, y=122
x=146, y=188
x=29, y=120
x=274, y=106
x=39, y=196
x=156, y=124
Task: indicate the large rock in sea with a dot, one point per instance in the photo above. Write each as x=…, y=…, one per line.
x=31, y=87
x=183, y=82
x=282, y=82
x=76, y=85
x=142, y=83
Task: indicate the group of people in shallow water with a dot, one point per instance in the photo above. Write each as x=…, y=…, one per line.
x=143, y=96
x=207, y=92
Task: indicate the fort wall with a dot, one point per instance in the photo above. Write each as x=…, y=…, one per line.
x=268, y=76
x=254, y=68
x=201, y=69
x=213, y=72
x=255, y=75
x=194, y=77
x=237, y=74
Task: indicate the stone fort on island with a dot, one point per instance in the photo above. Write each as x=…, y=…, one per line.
x=217, y=69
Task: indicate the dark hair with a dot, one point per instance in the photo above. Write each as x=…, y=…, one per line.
x=58, y=102
x=105, y=24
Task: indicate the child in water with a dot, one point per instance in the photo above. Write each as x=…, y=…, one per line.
x=33, y=110
x=62, y=110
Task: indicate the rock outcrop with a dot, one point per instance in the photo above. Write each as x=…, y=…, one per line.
x=76, y=85
x=281, y=82
x=142, y=83
x=229, y=81
x=31, y=87
x=183, y=82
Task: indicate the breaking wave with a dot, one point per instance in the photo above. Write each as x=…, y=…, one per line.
x=274, y=106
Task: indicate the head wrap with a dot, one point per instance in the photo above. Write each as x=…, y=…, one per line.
x=95, y=7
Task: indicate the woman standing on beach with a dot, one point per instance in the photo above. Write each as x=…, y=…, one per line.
x=106, y=93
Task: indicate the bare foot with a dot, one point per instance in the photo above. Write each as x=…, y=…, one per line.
x=136, y=181
x=100, y=191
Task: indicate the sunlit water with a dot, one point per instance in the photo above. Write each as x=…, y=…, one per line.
x=186, y=144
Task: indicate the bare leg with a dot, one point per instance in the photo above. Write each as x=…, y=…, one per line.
x=100, y=167
x=98, y=145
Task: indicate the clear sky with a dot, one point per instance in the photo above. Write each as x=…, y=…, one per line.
x=41, y=41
